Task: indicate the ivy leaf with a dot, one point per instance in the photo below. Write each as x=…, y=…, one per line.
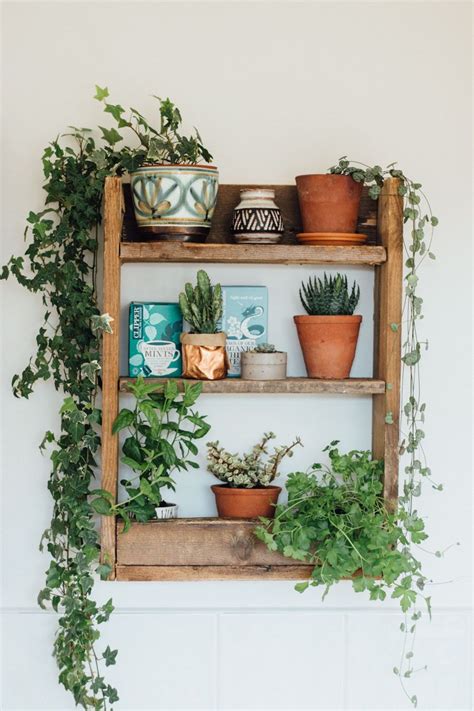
x=109, y=656
x=111, y=135
x=101, y=94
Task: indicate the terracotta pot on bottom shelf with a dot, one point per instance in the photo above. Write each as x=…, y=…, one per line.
x=328, y=203
x=328, y=344
x=204, y=356
x=245, y=503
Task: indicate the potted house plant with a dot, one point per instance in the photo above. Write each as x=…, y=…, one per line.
x=263, y=363
x=174, y=189
x=247, y=491
x=329, y=206
x=203, y=348
x=161, y=433
x=328, y=334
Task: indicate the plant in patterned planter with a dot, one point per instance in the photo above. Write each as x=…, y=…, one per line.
x=328, y=334
x=247, y=491
x=264, y=363
x=173, y=195
x=203, y=348
x=161, y=433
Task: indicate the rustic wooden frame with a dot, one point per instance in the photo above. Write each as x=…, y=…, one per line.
x=218, y=549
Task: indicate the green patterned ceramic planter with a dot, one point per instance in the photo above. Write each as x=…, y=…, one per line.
x=175, y=202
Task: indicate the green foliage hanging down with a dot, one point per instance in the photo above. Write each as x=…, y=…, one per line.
x=201, y=306
x=60, y=264
x=163, y=145
x=162, y=431
x=329, y=296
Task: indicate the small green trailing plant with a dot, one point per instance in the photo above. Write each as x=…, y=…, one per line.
x=162, y=431
x=249, y=471
x=201, y=306
x=163, y=145
x=329, y=296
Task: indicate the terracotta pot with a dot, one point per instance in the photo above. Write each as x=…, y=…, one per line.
x=328, y=203
x=328, y=344
x=263, y=366
x=245, y=503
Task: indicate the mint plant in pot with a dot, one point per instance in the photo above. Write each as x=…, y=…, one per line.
x=174, y=189
x=247, y=491
x=203, y=348
x=329, y=332
x=161, y=433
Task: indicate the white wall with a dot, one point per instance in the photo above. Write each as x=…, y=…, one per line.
x=276, y=89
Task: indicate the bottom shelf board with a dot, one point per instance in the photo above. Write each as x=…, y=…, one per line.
x=200, y=549
x=347, y=386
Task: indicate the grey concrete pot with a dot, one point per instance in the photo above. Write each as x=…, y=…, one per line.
x=263, y=366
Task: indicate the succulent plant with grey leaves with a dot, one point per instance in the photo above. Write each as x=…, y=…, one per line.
x=201, y=305
x=329, y=296
x=265, y=348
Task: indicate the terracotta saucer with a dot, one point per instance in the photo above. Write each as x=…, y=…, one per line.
x=330, y=238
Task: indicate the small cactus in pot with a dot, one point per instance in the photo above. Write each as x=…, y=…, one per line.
x=204, y=355
x=264, y=363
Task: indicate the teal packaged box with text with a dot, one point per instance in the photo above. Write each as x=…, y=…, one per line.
x=244, y=320
x=154, y=349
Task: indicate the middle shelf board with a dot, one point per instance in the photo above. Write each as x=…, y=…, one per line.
x=369, y=255
x=349, y=386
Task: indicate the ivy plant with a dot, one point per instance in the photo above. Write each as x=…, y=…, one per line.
x=162, y=431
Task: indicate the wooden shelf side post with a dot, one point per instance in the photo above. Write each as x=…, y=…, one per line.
x=387, y=336
x=113, y=218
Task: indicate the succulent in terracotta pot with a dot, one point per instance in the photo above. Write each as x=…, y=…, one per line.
x=329, y=332
x=247, y=491
x=264, y=362
x=203, y=347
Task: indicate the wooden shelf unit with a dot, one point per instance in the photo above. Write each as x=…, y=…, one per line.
x=219, y=549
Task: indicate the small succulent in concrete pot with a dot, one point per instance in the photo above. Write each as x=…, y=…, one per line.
x=174, y=189
x=264, y=363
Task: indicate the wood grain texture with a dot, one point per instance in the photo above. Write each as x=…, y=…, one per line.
x=250, y=253
x=211, y=572
x=349, y=386
x=113, y=213
x=195, y=542
x=286, y=198
x=387, y=342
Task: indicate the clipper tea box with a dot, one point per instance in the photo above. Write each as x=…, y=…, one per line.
x=154, y=350
x=245, y=320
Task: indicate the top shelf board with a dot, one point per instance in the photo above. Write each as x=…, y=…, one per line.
x=220, y=248
x=249, y=254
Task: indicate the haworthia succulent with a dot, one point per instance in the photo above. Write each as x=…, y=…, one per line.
x=329, y=296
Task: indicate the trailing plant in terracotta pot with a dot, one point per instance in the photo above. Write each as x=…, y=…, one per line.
x=329, y=203
x=204, y=354
x=247, y=491
x=264, y=363
x=161, y=433
x=328, y=334
x=174, y=196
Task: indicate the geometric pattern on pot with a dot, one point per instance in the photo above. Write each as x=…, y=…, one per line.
x=201, y=196
x=157, y=195
x=257, y=219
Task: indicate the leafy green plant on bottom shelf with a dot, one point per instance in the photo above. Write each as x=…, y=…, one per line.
x=337, y=520
x=162, y=431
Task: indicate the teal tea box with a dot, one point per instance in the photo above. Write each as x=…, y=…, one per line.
x=245, y=320
x=154, y=349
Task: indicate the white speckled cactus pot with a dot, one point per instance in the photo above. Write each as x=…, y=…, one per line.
x=263, y=366
x=169, y=511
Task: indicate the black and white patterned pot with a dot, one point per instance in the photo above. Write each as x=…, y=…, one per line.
x=257, y=219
